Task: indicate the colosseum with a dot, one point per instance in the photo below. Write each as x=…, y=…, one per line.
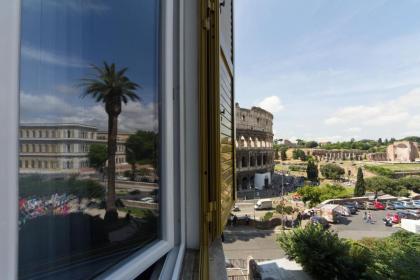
x=254, y=148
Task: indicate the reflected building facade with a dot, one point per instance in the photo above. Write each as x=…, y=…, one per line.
x=62, y=148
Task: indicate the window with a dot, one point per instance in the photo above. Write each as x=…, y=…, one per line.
x=66, y=239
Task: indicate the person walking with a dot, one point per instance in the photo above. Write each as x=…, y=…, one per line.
x=364, y=216
x=369, y=218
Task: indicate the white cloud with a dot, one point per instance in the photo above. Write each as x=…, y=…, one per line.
x=272, y=104
x=52, y=58
x=353, y=129
x=399, y=111
x=51, y=109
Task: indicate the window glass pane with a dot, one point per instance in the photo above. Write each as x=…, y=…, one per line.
x=89, y=135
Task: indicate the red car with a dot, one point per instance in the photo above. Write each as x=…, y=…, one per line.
x=378, y=205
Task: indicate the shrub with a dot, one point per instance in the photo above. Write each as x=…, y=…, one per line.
x=267, y=216
x=332, y=171
x=284, y=209
x=395, y=257
x=323, y=254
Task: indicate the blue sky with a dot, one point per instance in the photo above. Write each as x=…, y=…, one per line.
x=330, y=69
x=60, y=39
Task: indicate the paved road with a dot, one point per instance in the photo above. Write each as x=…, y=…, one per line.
x=243, y=241
x=356, y=228
x=246, y=241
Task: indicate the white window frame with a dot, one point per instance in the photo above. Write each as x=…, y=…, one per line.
x=135, y=264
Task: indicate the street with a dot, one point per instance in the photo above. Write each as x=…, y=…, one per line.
x=243, y=241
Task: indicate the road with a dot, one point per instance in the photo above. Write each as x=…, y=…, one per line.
x=130, y=185
x=241, y=242
x=247, y=208
x=356, y=228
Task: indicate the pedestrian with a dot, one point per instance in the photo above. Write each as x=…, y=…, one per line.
x=235, y=220
x=369, y=218
x=246, y=219
x=356, y=205
x=364, y=216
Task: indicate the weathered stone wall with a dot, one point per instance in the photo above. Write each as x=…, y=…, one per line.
x=403, y=151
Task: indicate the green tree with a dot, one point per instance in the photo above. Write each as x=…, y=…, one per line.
x=323, y=254
x=112, y=88
x=141, y=148
x=310, y=194
x=300, y=142
x=359, y=189
x=299, y=154
x=276, y=152
x=379, y=183
x=311, y=144
x=332, y=171
x=97, y=156
x=312, y=171
x=283, y=154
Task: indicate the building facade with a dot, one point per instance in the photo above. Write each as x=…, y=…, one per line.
x=60, y=148
x=254, y=147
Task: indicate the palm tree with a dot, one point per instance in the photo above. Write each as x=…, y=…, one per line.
x=112, y=88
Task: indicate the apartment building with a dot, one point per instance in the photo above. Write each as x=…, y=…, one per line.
x=50, y=148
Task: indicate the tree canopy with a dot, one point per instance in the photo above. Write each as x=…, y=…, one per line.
x=332, y=171
x=142, y=147
x=360, y=189
x=312, y=171
x=97, y=155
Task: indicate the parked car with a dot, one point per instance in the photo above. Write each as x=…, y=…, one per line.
x=376, y=205
x=147, y=200
x=416, y=204
x=320, y=220
x=404, y=215
x=351, y=207
x=408, y=204
x=398, y=205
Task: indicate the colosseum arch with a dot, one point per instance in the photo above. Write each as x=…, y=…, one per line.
x=243, y=142
x=257, y=142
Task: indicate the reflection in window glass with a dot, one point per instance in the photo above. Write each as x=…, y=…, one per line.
x=89, y=170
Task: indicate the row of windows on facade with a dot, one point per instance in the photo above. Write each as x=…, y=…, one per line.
x=56, y=133
x=243, y=118
x=254, y=161
x=253, y=143
x=54, y=164
x=50, y=164
x=55, y=148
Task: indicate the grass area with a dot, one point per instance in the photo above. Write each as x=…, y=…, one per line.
x=402, y=166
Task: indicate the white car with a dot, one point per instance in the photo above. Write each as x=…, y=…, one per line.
x=147, y=200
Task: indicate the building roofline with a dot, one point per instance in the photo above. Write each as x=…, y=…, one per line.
x=255, y=108
x=56, y=125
